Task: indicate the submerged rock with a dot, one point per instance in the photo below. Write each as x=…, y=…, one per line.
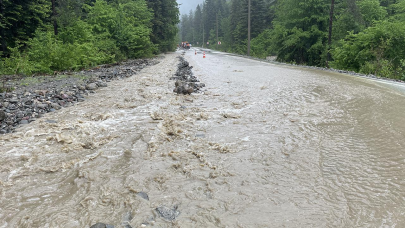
x=101, y=225
x=168, y=214
x=143, y=195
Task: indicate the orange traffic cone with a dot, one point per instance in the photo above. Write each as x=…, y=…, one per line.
x=204, y=55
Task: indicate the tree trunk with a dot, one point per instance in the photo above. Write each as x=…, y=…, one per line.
x=330, y=31
x=2, y=36
x=248, y=51
x=217, y=31
x=55, y=24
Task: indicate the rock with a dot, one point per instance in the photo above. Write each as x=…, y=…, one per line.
x=167, y=213
x=101, y=84
x=24, y=122
x=42, y=106
x=183, y=88
x=186, y=82
x=101, y=225
x=56, y=106
x=91, y=86
x=51, y=121
x=126, y=219
x=13, y=101
x=2, y=115
x=143, y=195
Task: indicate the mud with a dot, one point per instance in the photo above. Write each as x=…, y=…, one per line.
x=264, y=146
x=34, y=96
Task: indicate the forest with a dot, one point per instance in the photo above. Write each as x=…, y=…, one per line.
x=366, y=36
x=46, y=36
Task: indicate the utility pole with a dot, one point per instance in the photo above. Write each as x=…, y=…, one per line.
x=248, y=51
x=330, y=31
x=217, y=31
x=203, y=35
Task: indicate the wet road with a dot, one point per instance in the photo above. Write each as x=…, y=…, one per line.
x=265, y=145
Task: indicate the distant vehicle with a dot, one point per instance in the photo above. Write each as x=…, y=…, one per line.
x=185, y=45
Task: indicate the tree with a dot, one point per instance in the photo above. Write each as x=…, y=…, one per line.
x=20, y=19
x=164, y=29
x=300, y=31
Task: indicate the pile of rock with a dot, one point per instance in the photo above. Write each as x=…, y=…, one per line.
x=50, y=93
x=186, y=82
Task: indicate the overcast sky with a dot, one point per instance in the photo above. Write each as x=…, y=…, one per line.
x=187, y=5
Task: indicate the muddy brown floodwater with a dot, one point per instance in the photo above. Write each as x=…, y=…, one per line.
x=265, y=145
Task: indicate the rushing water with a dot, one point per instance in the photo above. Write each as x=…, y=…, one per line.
x=265, y=146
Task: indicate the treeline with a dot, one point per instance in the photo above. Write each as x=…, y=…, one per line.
x=43, y=36
x=368, y=36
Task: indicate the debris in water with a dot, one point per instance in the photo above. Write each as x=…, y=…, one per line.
x=126, y=219
x=143, y=195
x=101, y=225
x=186, y=82
x=167, y=213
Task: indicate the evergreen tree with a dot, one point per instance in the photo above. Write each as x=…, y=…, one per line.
x=300, y=31
x=197, y=25
x=164, y=29
x=20, y=19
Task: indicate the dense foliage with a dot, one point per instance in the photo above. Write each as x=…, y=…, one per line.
x=43, y=36
x=367, y=35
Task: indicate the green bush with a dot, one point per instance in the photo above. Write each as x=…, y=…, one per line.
x=379, y=50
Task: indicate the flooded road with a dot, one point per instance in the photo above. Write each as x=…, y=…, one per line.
x=265, y=145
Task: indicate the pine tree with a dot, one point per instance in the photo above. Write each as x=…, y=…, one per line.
x=164, y=24
x=300, y=31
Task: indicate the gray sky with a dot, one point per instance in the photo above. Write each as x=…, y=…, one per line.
x=187, y=5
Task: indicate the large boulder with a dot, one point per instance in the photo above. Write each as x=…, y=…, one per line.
x=2, y=115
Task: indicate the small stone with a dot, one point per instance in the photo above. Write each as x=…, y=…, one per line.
x=167, y=213
x=200, y=135
x=51, y=121
x=56, y=106
x=42, y=106
x=101, y=225
x=13, y=101
x=143, y=195
x=24, y=122
x=2, y=115
x=91, y=86
x=20, y=115
x=102, y=84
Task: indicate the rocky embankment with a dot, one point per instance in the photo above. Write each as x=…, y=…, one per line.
x=186, y=82
x=34, y=96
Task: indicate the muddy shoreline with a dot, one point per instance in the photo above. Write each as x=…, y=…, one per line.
x=32, y=97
